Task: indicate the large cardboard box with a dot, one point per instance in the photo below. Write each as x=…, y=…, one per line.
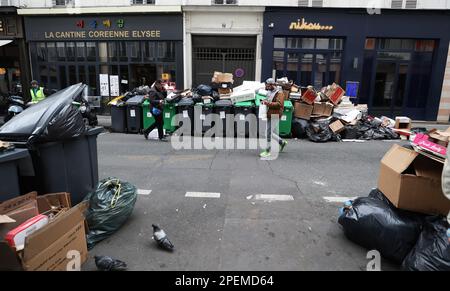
x=337, y=126
x=302, y=110
x=412, y=181
x=52, y=247
x=324, y=109
x=241, y=96
x=402, y=122
x=225, y=78
x=309, y=95
x=335, y=93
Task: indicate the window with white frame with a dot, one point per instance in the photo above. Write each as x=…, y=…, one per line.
x=142, y=2
x=224, y=2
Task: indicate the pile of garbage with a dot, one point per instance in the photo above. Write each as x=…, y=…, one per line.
x=404, y=219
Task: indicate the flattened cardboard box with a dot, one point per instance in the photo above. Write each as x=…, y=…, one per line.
x=47, y=249
x=412, y=182
x=322, y=109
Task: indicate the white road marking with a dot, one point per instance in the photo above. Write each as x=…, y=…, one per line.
x=202, y=195
x=338, y=199
x=144, y=192
x=274, y=197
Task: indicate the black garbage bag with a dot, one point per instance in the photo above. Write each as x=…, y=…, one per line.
x=299, y=127
x=320, y=131
x=53, y=119
x=432, y=251
x=350, y=132
x=376, y=225
x=110, y=206
x=204, y=90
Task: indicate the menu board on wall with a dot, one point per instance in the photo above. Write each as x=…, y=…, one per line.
x=114, y=85
x=104, y=84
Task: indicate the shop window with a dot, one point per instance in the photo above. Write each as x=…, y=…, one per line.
x=134, y=51
x=306, y=69
x=394, y=56
x=420, y=79
x=114, y=70
x=43, y=74
x=70, y=51
x=278, y=63
x=124, y=79
x=81, y=52
x=41, y=51
x=292, y=66
x=396, y=44
x=62, y=76
x=150, y=51
x=53, y=77
x=323, y=43
x=92, y=80
x=335, y=68
x=82, y=74
x=336, y=44
x=370, y=44
x=279, y=42
x=112, y=51
x=91, y=51
x=123, y=56
x=103, y=52
x=171, y=70
x=51, y=51
x=61, y=51
x=166, y=51
x=369, y=60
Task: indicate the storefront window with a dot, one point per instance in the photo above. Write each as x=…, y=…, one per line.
x=396, y=44
x=41, y=51
x=53, y=84
x=92, y=80
x=70, y=49
x=166, y=51
x=62, y=76
x=91, y=51
x=150, y=50
x=81, y=52
x=122, y=51
x=278, y=63
x=370, y=44
x=335, y=68
x=421, y=68
x=292, y=66
x=134, y=51
x=425, y=45
x=72, y=75
x=112, y=51
x=103, y=52
x=43, y=74
x=82, y=74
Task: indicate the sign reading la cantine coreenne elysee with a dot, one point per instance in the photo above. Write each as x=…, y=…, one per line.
x=101, y=27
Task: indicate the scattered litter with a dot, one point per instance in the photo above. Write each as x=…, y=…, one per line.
x=204, y=206
x=249, y=197
x=161, y=238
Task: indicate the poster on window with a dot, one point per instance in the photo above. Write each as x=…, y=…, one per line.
x=104, y=84
x=114, y=85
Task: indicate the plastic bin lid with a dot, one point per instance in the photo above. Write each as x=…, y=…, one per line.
x=185, y=102
x=288, y=104
x=224, y=103
x=136, y=100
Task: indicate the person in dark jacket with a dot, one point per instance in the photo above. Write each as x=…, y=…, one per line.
x=156, y=97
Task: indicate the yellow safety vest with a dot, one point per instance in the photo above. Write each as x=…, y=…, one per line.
x=39, y=96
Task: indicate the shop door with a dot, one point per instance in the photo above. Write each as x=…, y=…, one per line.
x=389, y=88
x=316, y=69
x=142, y=75
x=226, y=54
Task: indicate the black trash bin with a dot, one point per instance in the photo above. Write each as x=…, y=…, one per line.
x=185, y=113
x=9, y=173
x=134, y=114
x=246, y=121
x=224, y=108
x=119, y=117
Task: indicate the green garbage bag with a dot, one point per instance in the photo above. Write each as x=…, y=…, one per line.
x=110, y=206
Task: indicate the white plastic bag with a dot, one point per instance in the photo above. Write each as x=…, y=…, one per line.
x=262, y=114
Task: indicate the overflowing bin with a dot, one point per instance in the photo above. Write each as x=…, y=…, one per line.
x=134, y=114
x=63, y=151
x=9, y=172
x=185, y=113
x=245, y=119
x=206, y=115
x=169, y=112
x=224, y=108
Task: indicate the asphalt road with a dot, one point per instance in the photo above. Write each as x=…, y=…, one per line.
x=237, y=231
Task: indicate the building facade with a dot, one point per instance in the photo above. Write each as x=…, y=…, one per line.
x=14, y=62
x=397, y=62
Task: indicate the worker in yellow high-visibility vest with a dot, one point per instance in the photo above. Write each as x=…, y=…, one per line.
x=36, y=92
